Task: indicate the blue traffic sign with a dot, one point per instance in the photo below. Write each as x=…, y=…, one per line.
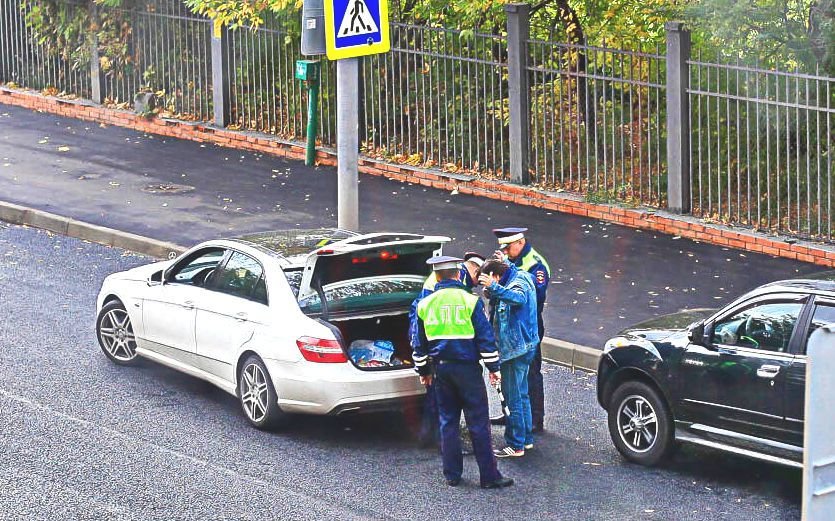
x=356, y=28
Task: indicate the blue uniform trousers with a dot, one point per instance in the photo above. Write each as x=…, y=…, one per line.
x=429, y=430
x=460, y=387
x=536, y=386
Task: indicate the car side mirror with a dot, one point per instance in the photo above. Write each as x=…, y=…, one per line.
x=155, y=279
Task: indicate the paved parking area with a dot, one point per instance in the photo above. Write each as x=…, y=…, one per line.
x=85, y=439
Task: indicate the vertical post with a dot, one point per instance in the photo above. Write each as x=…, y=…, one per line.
x=220, y=78
x=347, y=143
x=678, y=121
x=97, y=88
x=819, y=449
x=518, y=34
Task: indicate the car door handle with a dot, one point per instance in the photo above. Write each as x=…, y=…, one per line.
x=768, y=371
x=188, y=304
x=242, y=316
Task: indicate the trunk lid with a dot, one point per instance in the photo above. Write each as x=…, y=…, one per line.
x=367, y=274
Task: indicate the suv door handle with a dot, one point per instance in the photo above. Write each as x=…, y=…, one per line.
x=242, y=316
x=768, y=371
x=188, y=304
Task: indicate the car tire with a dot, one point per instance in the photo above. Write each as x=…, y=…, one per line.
x=640, y=423
x=257, y=395
x=115, y=333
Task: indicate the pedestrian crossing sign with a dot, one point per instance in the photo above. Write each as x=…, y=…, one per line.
x=356, y=28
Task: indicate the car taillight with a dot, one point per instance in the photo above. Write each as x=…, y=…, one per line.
x=320, y=350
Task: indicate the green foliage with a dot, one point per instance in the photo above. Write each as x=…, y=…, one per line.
x=782, y=33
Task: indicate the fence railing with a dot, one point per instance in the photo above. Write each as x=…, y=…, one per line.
x=435, y=100
x=761, y=147
x=27, y=61
x=597, y=120
x=727, y=142
x=167, y=51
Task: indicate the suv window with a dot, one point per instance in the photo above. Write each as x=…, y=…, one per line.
x=239, y=277
x=824, y=314
x=196, y=269
x=767, y=326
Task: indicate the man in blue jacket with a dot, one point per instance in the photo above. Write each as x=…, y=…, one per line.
x=454, y=336
x=514, y=246
x=513, y=314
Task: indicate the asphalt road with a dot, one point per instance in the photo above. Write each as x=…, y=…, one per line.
x=82, y=438
x=605, y=277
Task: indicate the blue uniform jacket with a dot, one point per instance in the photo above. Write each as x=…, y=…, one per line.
x=540, y=275
x=481, y=347
x=514, y=313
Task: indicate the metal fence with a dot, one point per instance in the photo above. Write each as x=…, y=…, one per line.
x=438, y=100
x=761, y=148
x=167, y=50
x=264, y=94
x=595, y=118
x=30, y=60
x=597, y=121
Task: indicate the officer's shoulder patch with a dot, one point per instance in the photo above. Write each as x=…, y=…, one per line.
x=540, y=276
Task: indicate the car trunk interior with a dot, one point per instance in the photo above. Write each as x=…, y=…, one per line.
x=394, y=328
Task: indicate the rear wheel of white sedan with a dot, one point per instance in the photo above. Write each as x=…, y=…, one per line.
x=258, y=397
x=115, y=333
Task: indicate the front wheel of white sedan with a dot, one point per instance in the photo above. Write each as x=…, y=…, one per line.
x=258, y=397
x=115, y=333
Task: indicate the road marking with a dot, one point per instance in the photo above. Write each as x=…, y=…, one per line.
x=191, y=459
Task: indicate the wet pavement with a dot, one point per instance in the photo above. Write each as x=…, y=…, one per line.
x=606, y=277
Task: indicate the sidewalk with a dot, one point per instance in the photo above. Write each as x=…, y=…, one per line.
x=606, y=276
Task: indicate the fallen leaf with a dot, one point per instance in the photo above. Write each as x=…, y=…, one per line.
x=63, y=148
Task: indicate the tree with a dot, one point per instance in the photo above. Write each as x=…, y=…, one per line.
x=783, y=33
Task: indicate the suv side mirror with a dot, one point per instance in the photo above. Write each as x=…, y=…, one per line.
x=696, y=334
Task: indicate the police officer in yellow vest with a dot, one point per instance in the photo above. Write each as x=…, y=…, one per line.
x=517, y=249
x=454, y=336
x=429, y=430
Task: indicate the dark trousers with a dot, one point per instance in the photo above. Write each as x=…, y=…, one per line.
x=459, y=387
x=536, y=386
x=429, y=430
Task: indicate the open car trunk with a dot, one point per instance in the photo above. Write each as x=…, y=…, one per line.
x=362, y=334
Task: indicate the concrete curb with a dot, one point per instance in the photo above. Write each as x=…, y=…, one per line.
x=570, y=355
x=16, y=214
x=553, y=350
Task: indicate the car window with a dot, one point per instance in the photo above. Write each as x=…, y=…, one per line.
x=239, y=276
x=365, y=295
x=294, y=278
x=766, y=326
x=198, y=267
x=259, y=294
x=824, y=314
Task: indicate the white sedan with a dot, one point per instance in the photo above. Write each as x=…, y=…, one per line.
x=272, y=317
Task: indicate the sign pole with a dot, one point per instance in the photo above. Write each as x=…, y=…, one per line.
x=347, y=143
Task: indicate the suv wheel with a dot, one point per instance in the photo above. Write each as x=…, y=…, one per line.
x=640, y=423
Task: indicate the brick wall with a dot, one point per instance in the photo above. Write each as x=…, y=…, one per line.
x=635, y=218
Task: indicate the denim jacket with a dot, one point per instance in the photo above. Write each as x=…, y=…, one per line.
x=514, y=313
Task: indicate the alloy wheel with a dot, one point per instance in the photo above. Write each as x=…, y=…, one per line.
x=116, y=333
x=255, y=394
x=637, y=423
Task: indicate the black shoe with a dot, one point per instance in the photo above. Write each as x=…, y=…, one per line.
x=453, y=482
x=499, y=483
x=498, y=420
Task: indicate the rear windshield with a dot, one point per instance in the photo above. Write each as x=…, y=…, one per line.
x=364, y=295
x=402, y=259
